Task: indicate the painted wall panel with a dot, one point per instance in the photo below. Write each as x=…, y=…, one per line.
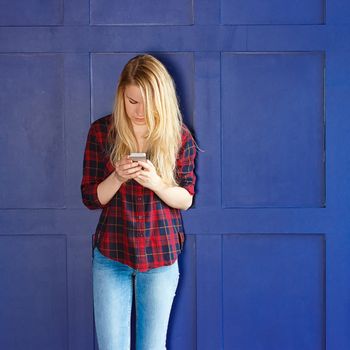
x=338, y=12
x=206, y=12
x=77, y=12
x=208, y=129
x=31, y=12
x=33, y=292
x=273, y=130
x=273, y=292
x=272, y=12
x=141, y=12
x=32, y=103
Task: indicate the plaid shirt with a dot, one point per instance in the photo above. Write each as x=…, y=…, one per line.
x=135, y=227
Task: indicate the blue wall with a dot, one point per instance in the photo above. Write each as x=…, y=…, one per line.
x=264, y=86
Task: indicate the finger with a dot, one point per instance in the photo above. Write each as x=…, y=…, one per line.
x=145, y=173
x=133, y=170
x=128, y=173
x=125, y=161
x=129, y=166
x=144, y=164
x=135, y=176
x=125, y=165
x=151, y=164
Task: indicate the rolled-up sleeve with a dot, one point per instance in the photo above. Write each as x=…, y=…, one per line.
x=185, y=162
x=93, y=171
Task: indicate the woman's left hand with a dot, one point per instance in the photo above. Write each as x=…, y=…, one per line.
x=148, y=177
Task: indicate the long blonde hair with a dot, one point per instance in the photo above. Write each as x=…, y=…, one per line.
x=162, y=115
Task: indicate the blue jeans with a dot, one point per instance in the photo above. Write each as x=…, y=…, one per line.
x=113, y=286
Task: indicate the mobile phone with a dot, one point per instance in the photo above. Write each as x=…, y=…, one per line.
x=138, y=156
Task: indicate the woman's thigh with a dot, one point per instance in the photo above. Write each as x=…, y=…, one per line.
x=112, y=295
x=154, y=291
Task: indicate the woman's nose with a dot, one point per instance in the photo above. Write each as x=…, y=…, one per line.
x=140, y=110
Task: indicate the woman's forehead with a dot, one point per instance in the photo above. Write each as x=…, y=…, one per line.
x=133, y=91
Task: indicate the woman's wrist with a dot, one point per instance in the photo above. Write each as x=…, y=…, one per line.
x=160, y=188
x=118, y=179
x=107, y=188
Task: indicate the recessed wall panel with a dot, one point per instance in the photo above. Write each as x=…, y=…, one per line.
x=141, y=12
x=33, y=292
x=31, y=12
x=272, y=12
x=32, y=141
x=272, y=112
x=273, y=292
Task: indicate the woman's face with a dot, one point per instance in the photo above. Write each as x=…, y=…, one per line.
x=134, y=105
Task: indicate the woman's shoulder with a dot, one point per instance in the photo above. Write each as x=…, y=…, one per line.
x=186, y=134
x=185, y=130
x=102, y=122
x=188, y=143
x=99, y=127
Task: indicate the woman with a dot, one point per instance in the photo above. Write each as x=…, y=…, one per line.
x=139, y=234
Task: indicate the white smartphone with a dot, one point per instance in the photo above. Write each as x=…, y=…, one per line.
x=138, y=156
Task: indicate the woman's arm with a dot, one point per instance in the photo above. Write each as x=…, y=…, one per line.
x=96, y=189
x=125, y=169
x=181, y=196
x=175, y=196
x=93, y=168
x=108, y=188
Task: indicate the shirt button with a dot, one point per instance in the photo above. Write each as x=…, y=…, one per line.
x=140, y=216
x=139, y=198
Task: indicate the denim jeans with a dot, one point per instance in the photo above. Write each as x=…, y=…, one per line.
x=113, y=286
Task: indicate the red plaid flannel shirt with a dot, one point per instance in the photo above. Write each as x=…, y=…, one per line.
x=135, y=227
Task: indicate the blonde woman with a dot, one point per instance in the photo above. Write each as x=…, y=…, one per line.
x=140, y=233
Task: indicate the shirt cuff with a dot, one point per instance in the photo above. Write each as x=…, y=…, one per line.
x=94, y=196
x=189, y=188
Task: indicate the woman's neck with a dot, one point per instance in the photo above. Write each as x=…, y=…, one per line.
x=139, y=132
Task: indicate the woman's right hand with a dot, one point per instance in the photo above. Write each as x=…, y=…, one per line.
x=126, y=169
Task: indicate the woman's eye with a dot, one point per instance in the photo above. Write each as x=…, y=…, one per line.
x=132, y=102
